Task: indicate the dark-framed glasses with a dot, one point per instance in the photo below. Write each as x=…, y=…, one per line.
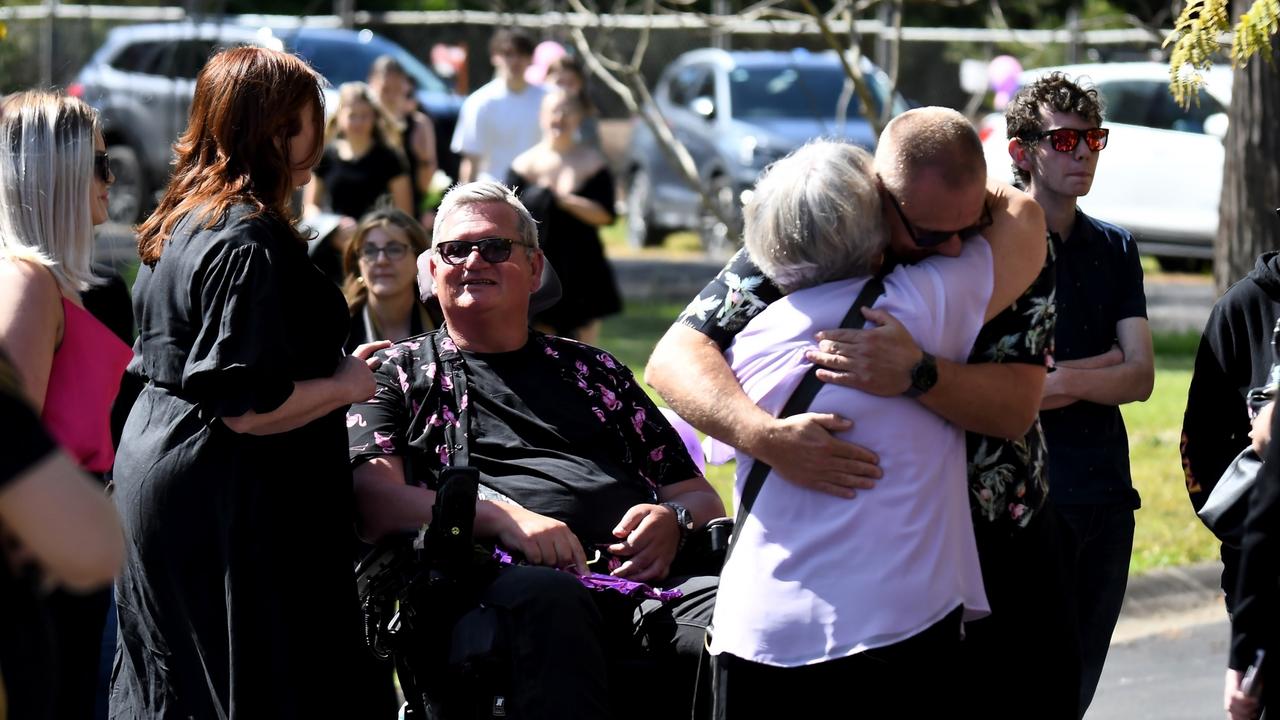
x=934, y=238
x=394, y=251
x=1065, y=140
x=102, y=166
x=492, y=250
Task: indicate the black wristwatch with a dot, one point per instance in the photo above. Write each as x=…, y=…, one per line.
x=923, y=376
x=684, y=519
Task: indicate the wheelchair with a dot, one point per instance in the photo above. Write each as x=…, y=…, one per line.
x=416, y=588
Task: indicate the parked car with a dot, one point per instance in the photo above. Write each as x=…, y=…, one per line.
x=1160, y=176
x=736, y=112
x=142, y=81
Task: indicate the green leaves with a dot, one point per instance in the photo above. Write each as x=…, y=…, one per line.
x=1196, y=38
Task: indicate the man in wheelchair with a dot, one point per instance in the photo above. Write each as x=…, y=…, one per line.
x=578, y=472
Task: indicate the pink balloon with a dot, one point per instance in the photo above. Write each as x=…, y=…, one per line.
x=544, y=54
x=1002, y=76
x=1003, y=71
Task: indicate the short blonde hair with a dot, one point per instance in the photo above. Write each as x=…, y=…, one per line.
x=485, y=191
x=815, y=216
x=46, y=176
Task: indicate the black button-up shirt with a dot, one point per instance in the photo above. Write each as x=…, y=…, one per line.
x=1099, y=284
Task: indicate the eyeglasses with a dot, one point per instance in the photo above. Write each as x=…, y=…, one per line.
x=934, y=238
x=493, y=250
x=1065, y=140
x=102, y=166
x=393, y=250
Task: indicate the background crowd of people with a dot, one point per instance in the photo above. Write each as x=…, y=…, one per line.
x=272, y=425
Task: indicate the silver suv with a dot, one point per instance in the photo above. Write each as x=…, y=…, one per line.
x=143, y=77
x=736, y=112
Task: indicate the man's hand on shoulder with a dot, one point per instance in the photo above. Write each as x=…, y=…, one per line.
x=876, y=360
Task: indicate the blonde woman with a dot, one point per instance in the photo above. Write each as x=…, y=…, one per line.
x=54, y=177
x=381, y=288
x=362, y=163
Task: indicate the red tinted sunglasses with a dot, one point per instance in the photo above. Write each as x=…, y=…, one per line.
x=1065, y=140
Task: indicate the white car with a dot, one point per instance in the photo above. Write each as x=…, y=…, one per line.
x=1160, y=176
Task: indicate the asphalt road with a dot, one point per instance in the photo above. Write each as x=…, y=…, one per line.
x=1173, y=674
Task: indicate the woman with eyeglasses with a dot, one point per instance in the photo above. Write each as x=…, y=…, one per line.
x=362, y=165
x=54, y=180
x=237, y=597
x=381, y=286
x=568, y=189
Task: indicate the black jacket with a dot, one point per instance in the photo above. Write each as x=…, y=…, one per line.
x=1255, y=622
x=1234, y=355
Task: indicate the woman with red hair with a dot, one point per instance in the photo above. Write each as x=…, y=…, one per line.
x=237, y=596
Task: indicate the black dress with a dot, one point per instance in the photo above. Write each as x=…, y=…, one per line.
x=237, y=595
x=573, y=247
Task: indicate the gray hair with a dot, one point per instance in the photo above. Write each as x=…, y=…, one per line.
x=46, y=175
x=815, y=216
x=486, y=191
x=934, y=139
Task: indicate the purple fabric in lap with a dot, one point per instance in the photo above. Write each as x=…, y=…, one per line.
x=601, y=582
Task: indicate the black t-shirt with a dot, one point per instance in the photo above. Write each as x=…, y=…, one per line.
x=26, y=666
x=1099, y=284
x=559, y=427
x=354, y=186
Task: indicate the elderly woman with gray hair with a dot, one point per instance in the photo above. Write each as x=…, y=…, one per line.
x=824, y=596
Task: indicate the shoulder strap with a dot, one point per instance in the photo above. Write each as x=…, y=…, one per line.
x=799, y=402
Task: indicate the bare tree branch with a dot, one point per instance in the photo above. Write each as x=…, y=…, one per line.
x=853, y=70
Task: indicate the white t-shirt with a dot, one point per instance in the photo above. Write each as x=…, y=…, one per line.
x=814, y=577
x=496, y=125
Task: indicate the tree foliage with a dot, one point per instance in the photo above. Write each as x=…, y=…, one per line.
x=1196, y=41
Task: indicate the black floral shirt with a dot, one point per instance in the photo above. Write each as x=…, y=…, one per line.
x=1008, y=480
x=561, y=428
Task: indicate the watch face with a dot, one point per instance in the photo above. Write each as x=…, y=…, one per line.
x=925, y=374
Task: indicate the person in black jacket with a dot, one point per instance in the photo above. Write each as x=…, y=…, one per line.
x=1255, y=623
x=1234, y=355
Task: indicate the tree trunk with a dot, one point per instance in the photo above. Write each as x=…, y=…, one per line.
x=1248, y=225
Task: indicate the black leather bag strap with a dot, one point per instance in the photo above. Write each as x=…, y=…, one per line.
x=799, y=402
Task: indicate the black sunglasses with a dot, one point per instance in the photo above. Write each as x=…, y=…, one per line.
x=493, y=250
x=102, y=166
x=1065, y=140
x=393, y=250
x=934, y=238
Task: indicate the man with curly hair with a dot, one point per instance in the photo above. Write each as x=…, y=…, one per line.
x=1103, y=353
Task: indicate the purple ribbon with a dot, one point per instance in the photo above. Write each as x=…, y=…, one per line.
x=601, y=582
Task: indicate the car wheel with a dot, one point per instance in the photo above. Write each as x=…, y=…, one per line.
x=641, y=230
x=128, y=195
x=720, y=240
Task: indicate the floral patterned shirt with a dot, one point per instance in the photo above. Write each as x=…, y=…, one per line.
x=1008, y=479
x=561, y=428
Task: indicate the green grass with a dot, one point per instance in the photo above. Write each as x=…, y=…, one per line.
x=1168, y=532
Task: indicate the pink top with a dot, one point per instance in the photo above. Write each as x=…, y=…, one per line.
x=83, y=383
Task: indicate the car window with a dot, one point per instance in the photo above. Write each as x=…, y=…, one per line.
x=189, y=57
x=790, y=91
x=341, y=61
x=1148, y=103
x=686, y=83
x=141, y=57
